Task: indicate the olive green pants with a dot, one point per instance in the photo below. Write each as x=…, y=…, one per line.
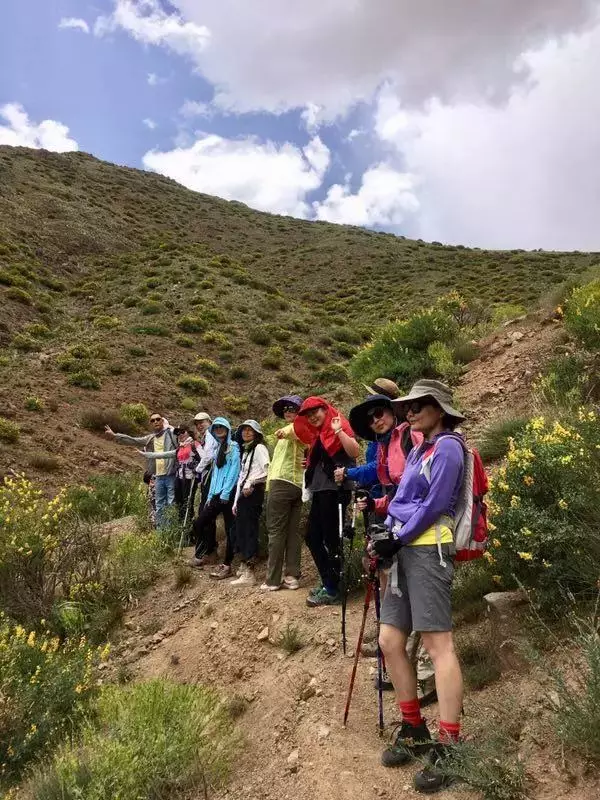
x=284, y=506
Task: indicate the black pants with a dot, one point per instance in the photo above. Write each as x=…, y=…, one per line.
x=323, y=535
x=205, y=529
x=247, y=521
x=183, y=486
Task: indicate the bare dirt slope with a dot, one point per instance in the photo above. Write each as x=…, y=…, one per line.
x=295, y=746
x=499, y=381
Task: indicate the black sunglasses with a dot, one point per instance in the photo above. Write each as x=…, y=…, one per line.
x=155, y=419
x=290, y=409
x=376, y=413
x=418, y=405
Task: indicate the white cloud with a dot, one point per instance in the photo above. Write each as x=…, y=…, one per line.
x=522, y=175
x=74, y=23
x=150, y=124
x=20, y=131
x=154, y=80
x=147, y=22
x=264, y=175
x=272, y=55
x=385, y=198
x=193, y=108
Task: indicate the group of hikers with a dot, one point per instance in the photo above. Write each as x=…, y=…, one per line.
x=414, y=472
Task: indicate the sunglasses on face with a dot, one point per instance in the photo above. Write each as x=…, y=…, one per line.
x=375, y=413
x=155, y=419
x=290, y=410
x=418, y=405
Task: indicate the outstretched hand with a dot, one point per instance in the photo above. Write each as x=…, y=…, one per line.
x=336, y=424
x=109, y=431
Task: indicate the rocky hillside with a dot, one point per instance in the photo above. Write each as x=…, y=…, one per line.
x=120, y=286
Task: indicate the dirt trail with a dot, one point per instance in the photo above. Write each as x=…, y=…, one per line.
x=295, y=746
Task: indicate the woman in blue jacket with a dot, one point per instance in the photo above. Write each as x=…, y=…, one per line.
x=219, y=501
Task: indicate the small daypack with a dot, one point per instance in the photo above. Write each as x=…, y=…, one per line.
x=470, y=520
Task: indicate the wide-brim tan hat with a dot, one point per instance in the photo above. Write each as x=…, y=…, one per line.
x=441, y=393
x=383, y=386
x=202, y=415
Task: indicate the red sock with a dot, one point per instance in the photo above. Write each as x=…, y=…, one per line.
x=449, y=732
x=411, y=712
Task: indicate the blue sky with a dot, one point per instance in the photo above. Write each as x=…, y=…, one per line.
x=465, y=127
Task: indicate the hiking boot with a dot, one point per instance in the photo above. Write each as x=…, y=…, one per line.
x=386, y=683
x=197, y=563
x=323, y=598
x=267, y=587
x=435, y=776
x=221, y=572
x=246, y=578
x=426, y=692
x=289, y=582
x=315, y=590
x=410, y=742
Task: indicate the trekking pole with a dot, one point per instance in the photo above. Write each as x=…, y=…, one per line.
x=361, y=634
x=188, y=507
x=380, y=662
x=347, y=532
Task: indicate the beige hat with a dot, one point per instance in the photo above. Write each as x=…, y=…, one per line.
x=202, y=415
x=441, y=393
x=385, y=387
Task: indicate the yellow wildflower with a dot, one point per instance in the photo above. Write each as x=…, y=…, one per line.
x=528, y=480
x=563, y=504
x=515, y=501
x=526, y=532
x=496, y=542
x=525, y=556
x=489, y=557
x=497, y=578
x=31, y=639
x=547, y=564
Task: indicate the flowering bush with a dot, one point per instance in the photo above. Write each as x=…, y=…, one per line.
x=545, y=508
x=582, y=314
x=106, y=497
x=45, y=686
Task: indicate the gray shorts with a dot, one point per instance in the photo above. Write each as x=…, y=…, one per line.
x=425, y=604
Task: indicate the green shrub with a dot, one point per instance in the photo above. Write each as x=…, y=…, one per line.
x=45, y=463
x=494, y=439
x=336, y=373
x=207, y=365
x=314, y=356
x=217, y=338
x=259, y=336
x=96, y=419
x=194, y=383
x=151, y=330
x=503, y=312
x=189, y=404
x=45, y=687
x=117, y=368
x=9, y=431
x=442, y=360
x=85, y=379
x=272, y=358
x=148, y=740
x=107, y=497
x=290, y=639
x=399, y=350
x=566, y=381
x=582, y=314
x=106, y=322
x=150, y=308
x=238, y=373
x=546, y=511
x=192, y=324
x=137, y=352
x=25, y=343
x=38, y=330
x=131, y=301
x=19, y=295
x=343, y=333
x=34, y=404
x=237, y=404
x=137, y=413
x=578, y=717
x=184, y=341
x=465, y=352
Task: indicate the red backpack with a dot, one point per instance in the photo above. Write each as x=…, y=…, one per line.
x=470, y=520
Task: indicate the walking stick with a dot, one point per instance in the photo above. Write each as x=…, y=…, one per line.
x=361, y=634
x=380, y=662
x=349, y=534
x=187, y=514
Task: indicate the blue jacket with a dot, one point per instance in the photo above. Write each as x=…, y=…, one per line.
x=366, y=475
x=224, y=479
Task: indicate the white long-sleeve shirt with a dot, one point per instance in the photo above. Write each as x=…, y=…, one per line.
x=207, y=452
x=255, y=467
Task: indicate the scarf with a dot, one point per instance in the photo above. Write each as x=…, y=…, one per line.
x=222, y=454
x=310, y=434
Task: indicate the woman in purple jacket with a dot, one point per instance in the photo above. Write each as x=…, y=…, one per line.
x=418, y=595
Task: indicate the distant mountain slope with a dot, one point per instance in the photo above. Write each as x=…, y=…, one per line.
x=120, y=279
